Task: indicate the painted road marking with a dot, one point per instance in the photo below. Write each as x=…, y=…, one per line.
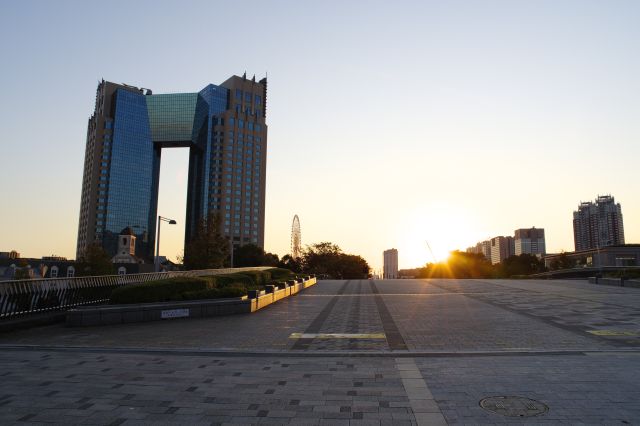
x=613, y=333
x=337, y=336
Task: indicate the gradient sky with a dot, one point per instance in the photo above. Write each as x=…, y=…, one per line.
x=390, y=123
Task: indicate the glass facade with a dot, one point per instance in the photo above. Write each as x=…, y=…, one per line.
x=171, y=116
x=131, y=190
x=226, y=161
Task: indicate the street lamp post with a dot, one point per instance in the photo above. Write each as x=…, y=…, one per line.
x=171, y=222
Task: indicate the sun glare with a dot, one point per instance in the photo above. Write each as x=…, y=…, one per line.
x=429, y=235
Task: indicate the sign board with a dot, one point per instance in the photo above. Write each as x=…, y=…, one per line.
x=174, y=313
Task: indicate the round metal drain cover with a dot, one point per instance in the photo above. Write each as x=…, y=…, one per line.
x=513, y=406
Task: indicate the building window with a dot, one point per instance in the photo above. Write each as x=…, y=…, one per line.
x=122, y=270
x=54, y=272
x=258, y=99
x=71, y=272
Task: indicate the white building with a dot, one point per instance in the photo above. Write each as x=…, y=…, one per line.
x=501, y=248
x=390, y=270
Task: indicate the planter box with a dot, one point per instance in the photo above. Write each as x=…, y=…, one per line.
x=142, y=312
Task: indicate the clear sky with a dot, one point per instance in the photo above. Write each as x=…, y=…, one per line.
x=390, y=123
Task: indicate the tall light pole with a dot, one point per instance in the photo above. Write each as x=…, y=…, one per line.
x=171, y=222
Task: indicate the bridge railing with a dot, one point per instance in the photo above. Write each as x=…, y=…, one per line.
x=24, y=297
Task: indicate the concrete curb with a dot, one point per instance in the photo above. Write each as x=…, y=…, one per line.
x=38, y=320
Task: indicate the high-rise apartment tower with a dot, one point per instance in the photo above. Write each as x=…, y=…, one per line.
x=224, y=128
x=598, y=224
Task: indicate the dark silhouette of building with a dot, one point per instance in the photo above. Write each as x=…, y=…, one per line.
x=224, y=128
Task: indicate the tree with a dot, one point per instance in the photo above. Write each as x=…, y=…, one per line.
x=95, y=261
x=459, y=265
x=290, y=263
x=327, y=259
x=524, y=264
x=351, y=266
x=252, y=255
x=209, y=248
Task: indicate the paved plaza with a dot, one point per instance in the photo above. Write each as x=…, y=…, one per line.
x=358, y=352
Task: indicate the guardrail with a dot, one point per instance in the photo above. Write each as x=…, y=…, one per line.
x=23, y=297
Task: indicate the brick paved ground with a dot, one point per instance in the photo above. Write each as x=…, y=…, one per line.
x=568, y=344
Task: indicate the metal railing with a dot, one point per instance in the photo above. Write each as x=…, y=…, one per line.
x=23, y=297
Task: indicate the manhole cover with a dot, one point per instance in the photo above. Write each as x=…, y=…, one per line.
x=513, y=406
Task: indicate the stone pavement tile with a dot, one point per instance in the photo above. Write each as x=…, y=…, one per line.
x=430, y=419
x=334, y=422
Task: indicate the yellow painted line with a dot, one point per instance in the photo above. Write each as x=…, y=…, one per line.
x=337, y=336
x=613, y=333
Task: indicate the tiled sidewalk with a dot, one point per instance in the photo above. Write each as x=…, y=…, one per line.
x=385, y=352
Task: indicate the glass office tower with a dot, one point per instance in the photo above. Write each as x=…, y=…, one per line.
x=223, y=127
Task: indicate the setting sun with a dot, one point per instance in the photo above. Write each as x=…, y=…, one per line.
x=429, y=234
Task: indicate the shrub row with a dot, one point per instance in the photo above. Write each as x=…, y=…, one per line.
x=160, y=290
x=193, y=288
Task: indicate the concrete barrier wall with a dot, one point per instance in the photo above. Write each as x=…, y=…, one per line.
x=121, y=314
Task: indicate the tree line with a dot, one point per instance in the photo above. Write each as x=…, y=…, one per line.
x=210, y=249
x=475, y=265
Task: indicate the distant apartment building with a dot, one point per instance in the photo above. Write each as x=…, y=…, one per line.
x=390, y=269
x=483, y=248
x=529, y=241
x=9, y=254
x=598, y=224
x=501, y=248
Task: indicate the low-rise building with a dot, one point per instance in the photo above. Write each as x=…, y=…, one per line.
x=622, y=255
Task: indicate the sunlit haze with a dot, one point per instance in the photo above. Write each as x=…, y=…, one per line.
x=390, y=124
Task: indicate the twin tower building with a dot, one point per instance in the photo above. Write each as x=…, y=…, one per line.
x=224, y=128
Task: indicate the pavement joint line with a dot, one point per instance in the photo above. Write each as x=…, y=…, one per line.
x=392, y=294
x=337, y=336
x=544, y=319
x=395, y=340
x=425, y=409
x=560, y=294
x=311, y=354
x=319, y=320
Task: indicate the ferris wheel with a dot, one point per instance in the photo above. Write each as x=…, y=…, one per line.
x=296, y=239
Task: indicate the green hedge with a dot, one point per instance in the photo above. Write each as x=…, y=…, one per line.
x=194, y=288
x=160, y=291
x=280, y=274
